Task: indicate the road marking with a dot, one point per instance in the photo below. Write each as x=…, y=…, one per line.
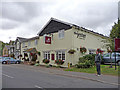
x=37, y=86
x=7, y=76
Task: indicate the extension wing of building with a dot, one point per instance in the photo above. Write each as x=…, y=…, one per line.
x=58, y=39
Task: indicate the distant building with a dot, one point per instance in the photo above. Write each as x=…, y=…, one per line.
x=28, y=46
x=17, y=46
x=6, y=51
x=11, y=49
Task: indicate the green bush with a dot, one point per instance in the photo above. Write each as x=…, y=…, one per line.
x=86, y=61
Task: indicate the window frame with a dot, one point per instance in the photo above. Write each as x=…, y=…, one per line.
x=46, y=55
x=60, y=55
x=61, y=34
x=29, y=43
x=36, y=42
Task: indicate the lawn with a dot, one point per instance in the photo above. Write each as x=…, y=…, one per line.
x=104, y=70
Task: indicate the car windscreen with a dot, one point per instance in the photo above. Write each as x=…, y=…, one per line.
x=106, y=55
x=7, y=58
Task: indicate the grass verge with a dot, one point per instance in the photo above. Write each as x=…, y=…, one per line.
x=104, y=70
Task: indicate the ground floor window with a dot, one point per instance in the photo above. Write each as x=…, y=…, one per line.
x=47, y=55
x=60, y=55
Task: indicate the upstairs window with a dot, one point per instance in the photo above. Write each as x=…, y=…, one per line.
x=61, y=34
x=18, y=45
x=23, y=44
x=29, y=43
x=36, y=42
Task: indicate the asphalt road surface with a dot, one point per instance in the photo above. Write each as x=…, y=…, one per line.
x=20, y=77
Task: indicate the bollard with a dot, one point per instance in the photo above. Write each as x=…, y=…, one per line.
x=68, y=65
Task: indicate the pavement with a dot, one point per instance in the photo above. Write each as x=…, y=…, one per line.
x=103, y=81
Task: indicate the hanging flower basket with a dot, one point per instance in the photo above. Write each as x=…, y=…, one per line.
x=83, y=50
x=100, y=51
x=71, y=51
x=59, y=62
x=46, y=61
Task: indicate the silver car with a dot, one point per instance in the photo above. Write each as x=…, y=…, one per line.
x=106, y=58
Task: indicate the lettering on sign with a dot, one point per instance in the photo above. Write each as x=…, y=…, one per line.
x=80, y=35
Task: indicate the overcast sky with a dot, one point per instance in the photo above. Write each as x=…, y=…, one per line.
x=25, y=19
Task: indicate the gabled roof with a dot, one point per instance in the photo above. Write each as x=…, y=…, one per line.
x=54, y=25
x=33, y=38
x=20, y=39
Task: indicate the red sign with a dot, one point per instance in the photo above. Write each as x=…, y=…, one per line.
x=117, y=44
x=47, y=40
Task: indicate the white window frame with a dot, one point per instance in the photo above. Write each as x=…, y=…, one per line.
x=47, y=55
x=23, y=44
x=18, y=45
x=36, y=42
x=29, y=43
x=61, y=34
x=60, y=55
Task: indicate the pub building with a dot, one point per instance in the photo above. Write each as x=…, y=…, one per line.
x=67, y=42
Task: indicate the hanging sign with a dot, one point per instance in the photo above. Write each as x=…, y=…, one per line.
x=117, y=44
x=47, y=40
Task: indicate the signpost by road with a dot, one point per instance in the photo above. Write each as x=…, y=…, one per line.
x=117, y=48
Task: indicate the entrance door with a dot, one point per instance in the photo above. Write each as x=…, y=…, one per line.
x=52, y=57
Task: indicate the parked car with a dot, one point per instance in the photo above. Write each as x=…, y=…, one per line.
x=9, y=60
x=1, y=58
x=106, y=58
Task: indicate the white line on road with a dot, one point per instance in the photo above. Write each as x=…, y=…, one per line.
x=37, y=86
x=7, y=76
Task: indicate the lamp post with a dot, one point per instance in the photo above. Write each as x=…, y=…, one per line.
x=110, y=60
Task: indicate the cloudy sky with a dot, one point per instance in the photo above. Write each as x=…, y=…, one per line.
x=26, y=18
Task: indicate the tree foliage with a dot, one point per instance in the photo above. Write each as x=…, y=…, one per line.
x=115, y=33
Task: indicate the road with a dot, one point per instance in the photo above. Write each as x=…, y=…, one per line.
x=18, y=76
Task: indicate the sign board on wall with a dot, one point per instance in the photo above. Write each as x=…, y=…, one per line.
x=117, y=44
x=47, y=40
x=80, y=35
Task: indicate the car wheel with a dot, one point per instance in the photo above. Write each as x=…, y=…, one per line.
x=17, y=62
x=4, y=62
x=118, y=63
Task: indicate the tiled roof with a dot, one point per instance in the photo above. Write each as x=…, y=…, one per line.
x=54, y=25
